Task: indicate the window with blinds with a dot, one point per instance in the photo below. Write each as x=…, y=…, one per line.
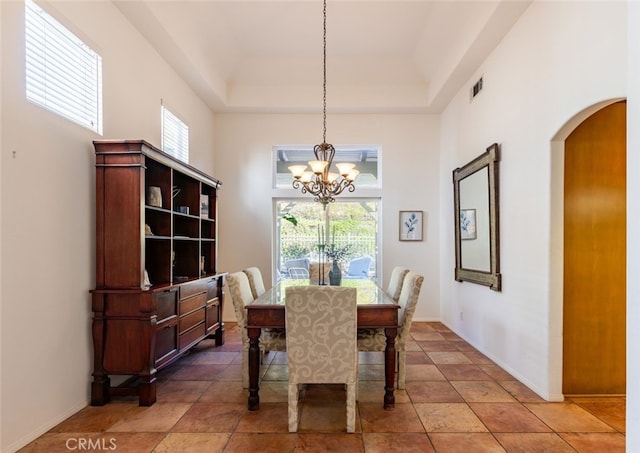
x=63, y=74
x=175, y=136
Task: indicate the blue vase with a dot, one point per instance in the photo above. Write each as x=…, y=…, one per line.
x=335, y=274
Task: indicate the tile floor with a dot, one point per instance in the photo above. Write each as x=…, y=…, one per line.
x=456, y=400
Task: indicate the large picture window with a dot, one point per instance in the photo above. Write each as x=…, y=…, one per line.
x=347, y=225
x=63, y=74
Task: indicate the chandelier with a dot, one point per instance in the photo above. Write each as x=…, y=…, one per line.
x=321, y=182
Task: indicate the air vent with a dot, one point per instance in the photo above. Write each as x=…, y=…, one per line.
x=477, y=87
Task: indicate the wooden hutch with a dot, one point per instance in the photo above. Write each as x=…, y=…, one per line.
x=158, y=290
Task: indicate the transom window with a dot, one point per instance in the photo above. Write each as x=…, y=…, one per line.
x=175, y=136
x=63, y=74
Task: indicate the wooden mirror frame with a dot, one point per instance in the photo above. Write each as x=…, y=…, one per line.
x=492, y=278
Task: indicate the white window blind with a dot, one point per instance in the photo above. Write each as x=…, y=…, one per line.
x=63, y=74
x=175, y=136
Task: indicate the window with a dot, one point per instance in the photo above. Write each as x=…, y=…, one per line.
x=348, y=224
x=63, y=74
x=175, y=136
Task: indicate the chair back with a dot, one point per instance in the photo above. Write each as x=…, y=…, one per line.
x=241, y=295
x=395, y=282
x=359, y=267
x=408, y=301
x=255, y=281
x=321, y=334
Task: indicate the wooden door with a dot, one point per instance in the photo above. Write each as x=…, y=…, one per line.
x=595, y=255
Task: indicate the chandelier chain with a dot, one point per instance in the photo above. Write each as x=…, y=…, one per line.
x=324, y=74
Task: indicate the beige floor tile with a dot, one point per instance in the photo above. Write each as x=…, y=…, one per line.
x=567, y=417
x=448, y=357
x=193, y=443
x=269, y=418
x=96, y=419
x=466, y=443
x=508, y=418
x=329, y=443
x=448, y=418
x=432, y=392
x=520, y=392
x=160, y=417
x=482, y=392
x=210, y=418
x=596, y=442
x=182, y=391
x=402, y=419
x=427, y=336
x=463, y=372
x=533, y=443
x=400, y=442
x=438, y=346
x=423, y=372
x=214, y=358
x=225, y=392
x=260, y=442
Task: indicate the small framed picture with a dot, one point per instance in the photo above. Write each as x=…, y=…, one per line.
x=410, y=225
x=204, y=206
x=468, y=224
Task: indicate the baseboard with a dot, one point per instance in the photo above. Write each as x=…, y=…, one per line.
x=30, y=437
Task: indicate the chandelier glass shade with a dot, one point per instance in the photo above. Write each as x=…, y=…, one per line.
x=320, y=181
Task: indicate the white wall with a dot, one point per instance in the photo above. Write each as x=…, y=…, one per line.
x=410, y=180
x=633, y=241
x=534, y=83
x=48, y=210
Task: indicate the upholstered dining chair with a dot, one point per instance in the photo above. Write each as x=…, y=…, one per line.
x=321, y=343
x=255, y=281
x=375, y=340
x=395, y=282
x=271, y=340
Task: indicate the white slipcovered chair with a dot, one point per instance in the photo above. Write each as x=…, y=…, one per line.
x=255, y=281
x=375, y=340
x=270, y=340
x=395, y=282
x=321, y=343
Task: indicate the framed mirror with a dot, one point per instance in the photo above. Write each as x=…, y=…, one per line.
x=475, y=195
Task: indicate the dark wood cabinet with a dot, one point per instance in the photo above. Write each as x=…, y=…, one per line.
x=158, y=290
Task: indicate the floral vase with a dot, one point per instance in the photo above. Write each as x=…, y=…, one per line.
x=335, y=274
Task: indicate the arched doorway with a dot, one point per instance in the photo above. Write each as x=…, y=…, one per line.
x=594, y=281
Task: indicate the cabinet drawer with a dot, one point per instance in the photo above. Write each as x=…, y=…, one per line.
x=192, y=336
x=166, y=340
x=166, y=303
x=190, y=320
x=192, y=303
x=191, y=288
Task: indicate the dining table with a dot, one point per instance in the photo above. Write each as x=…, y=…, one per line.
x=375, y=310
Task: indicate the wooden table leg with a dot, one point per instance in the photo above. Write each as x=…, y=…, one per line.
x=390, y=369
x=254, y=368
